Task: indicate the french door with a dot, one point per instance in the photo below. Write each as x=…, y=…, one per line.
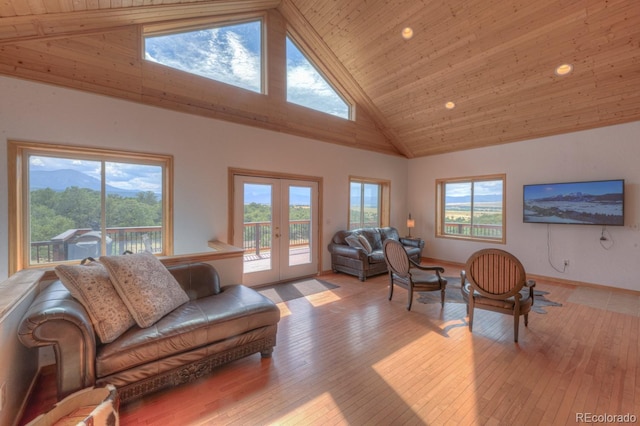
x=276, y=222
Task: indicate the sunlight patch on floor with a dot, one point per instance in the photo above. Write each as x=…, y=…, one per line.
x=323, y=298
x=313, y=411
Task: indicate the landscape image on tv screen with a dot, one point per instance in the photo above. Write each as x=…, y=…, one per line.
x=581, y=203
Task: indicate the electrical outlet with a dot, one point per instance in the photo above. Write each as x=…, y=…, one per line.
x=3, y=395
x=566, y=262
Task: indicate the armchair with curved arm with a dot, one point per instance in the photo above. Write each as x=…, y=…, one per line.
x=498, y=283
x=409, y=274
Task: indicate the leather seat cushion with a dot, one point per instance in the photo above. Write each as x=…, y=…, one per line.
x=507, y=304
x=376, y=257
x=234, y=311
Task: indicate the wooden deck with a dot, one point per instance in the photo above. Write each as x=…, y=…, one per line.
x=253, y=262
x=351, y=357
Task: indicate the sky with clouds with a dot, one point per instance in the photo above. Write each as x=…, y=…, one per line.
x=128, y=176
x=232, y=54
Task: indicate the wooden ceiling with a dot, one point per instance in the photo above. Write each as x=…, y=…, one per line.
x=494, y=59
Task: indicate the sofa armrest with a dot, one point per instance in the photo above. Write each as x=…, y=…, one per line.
x=413, y=242
x=197, y=279
x=348, y=251
x=56, y=319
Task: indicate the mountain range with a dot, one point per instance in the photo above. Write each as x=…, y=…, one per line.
x=59, y=180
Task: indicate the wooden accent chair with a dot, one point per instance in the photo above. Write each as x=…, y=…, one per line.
x=498, y=282
x=410, y=275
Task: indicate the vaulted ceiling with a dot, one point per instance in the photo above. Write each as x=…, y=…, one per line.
x=495, y=59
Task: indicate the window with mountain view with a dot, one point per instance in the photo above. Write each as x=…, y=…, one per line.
x=230, y=53
x=86, y=203
x=306, y=86
x=471, y=208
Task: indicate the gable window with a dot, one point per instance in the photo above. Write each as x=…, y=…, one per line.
x=229, y=53
x=471, y=208
x=307, y=87
x=368, y=203
x=72, y=203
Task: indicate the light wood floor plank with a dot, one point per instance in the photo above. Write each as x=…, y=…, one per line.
x=350, y=356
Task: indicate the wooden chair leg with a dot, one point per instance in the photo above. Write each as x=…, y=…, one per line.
x=410, y=301
x=526, y=320
x=516, y=323
x=442, y=297
x=390, y=288
x=470, y=310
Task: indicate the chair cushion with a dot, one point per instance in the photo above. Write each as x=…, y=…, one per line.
x=376, y=257
x=145, y=285
x=525, y=302
x=425, y=280
x=91, y=286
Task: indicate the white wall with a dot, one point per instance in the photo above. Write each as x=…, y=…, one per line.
x=599, y=154
x=203, y=150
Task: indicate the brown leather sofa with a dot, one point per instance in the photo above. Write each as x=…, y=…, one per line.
x=357, y=260
x=216, y=326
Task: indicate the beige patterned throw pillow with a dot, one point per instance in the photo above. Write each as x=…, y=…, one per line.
x=91, y=286
x=145, y=286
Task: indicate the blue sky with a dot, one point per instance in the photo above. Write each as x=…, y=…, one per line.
x=232, y=54
x=120, y=175
x=229, y=54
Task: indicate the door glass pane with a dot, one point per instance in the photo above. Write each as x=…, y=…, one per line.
x=257, y=224
x=64, y=209
x=299, y=225
x=457, y=208
x=133, y=208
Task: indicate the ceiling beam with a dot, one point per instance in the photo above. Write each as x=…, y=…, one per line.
x=332, y=66
x=30, y=27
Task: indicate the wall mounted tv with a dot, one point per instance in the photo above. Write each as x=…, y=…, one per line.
x=579, y=203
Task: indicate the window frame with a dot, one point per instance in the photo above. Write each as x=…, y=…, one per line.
x=160, y=29
x=385, y=197
x=18, y=153
x=440, y=213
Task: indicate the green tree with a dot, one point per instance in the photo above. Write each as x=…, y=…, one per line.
x=130, y=212
x=81, y=205
x=46, y=224
x=254, y=212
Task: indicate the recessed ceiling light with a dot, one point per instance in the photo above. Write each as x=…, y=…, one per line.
x=450, y=105
x=564, y=69
x=407, y=33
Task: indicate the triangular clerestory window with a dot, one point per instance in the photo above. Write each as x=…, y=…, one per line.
x=306, y=86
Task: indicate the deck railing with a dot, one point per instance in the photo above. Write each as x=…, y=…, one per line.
x=487, y=231
x=81, y=243
x=257, y=235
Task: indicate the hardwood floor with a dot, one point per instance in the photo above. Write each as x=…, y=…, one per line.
x=349, y=356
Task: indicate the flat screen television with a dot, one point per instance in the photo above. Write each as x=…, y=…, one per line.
x=578, y=203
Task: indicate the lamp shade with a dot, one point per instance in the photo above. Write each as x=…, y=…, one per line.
x=411, y=223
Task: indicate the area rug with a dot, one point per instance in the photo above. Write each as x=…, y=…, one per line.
x=293, y=290
x=453, y=295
